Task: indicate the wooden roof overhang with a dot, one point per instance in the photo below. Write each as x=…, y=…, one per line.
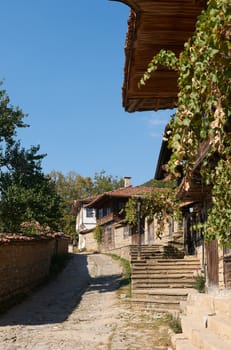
x=164, y=156
x=120, y=193
x=195, y=189
x=154, y=25
x=189, y=190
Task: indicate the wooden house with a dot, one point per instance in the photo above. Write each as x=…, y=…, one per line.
x=117, y=235
x=110, y=215
x=196, y=199
x=152, y=26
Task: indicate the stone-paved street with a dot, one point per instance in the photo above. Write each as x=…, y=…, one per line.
x=83, y=310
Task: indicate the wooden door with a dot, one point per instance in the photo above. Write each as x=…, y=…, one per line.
x=212, y=263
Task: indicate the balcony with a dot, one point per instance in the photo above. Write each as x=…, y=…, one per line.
x=108, y=218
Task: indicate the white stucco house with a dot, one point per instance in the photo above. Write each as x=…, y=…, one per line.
x=85, y=224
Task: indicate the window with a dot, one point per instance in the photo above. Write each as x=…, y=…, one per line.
x=100, y=213
x=108, y=233
x=103, y=212
x=107, y=211
x=127, y=232
x=121, y=205
x=89, y=212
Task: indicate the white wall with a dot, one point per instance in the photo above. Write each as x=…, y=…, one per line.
x=83, y=222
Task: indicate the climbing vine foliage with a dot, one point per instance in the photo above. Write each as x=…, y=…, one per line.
x=203, y=116
x=159, y=204
x=98, y=234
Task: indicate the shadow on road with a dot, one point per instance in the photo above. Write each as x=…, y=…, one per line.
x=54, y=302
x=105, y=283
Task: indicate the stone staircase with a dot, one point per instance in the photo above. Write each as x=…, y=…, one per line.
x=206, y=323
x=160, y=281
x=155, y=251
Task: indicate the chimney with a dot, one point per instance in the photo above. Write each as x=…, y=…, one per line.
x=127, y=181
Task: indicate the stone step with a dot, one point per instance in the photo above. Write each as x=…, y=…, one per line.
x=176, y=261
x=163, y=272
x=157, y=251
x=184, y=344
x=207, y=323
x=156, y=265
x=190, y=323
x=162, y=285
x=162, y=304
x=208, y=304
x=198, y=331
x=147, y=251
x=134, y=246
x=159, y=266
x=222, y=305
x=158, y=294
x=192, y=309
x=141, y=305
x=207, y=340
x=161, y=278
x=220, y=325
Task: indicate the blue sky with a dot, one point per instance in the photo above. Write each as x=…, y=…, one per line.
x=62, y=62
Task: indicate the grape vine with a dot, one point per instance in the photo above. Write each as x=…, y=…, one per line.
x=203, y=111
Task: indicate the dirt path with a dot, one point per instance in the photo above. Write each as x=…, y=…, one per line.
x=82, y=310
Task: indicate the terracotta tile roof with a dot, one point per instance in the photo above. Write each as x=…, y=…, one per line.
x=78, y=203
x=124, y=192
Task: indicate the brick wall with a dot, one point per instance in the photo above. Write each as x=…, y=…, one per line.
x=25, y=262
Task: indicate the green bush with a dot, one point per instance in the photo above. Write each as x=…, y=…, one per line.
x=199, y=283
x=174, y=323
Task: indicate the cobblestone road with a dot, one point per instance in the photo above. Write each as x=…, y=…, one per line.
x=82, y=310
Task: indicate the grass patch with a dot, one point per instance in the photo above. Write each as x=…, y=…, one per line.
x=174, y=323
x=125, y=282
x=199, y=283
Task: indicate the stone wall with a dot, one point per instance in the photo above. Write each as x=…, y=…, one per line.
x=88, y=242
x=123, y=252
x=122, y=237
x=25, y=262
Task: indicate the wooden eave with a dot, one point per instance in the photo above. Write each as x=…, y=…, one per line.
x=164, y=156
x=152, y=26
x=194, y=189
x=123, y=193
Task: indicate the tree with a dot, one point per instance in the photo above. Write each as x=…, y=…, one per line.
x=74, y=186
x=26, y=194
x=104, y=183
x=159, y=184
x=11, y=118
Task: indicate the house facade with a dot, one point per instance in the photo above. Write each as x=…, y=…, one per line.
x=85, y=224
x=117, y=235
x=110, y=215
x=152, y=26
x=196, y=198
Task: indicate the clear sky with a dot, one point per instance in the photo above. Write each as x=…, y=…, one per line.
x=62, y=62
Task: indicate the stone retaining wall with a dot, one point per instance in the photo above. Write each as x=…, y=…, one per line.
x=123, y=252
x=25, y=262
